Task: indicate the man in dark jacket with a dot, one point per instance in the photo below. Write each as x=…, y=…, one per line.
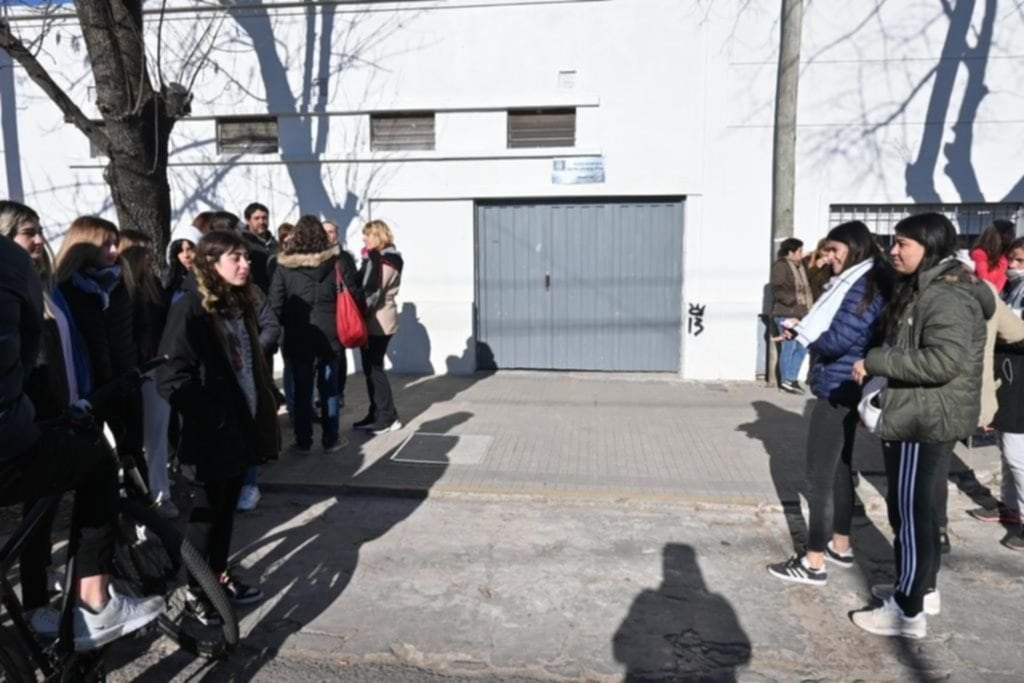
x=35, y=464
x=261, y=244
x=791, y=299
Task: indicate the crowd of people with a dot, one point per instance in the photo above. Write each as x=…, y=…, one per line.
x=922, y=346
x=232, y=295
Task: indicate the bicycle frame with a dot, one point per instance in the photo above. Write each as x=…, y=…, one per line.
x=11, y=551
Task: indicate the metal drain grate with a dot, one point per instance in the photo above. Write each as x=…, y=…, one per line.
x=424, y=448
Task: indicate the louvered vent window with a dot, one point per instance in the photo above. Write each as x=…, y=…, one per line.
x=253, y=135
x=541, y=128
x=401, y=131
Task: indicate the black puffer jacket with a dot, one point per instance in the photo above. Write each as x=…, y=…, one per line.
x=304, y=296
x=109, y=340
x=21, y=322
x=219, y=436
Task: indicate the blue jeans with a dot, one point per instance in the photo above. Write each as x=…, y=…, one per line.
x=327, y=374
x=251, y=476
x=791, y=356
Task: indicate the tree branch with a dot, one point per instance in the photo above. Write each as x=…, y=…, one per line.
x=11, y=44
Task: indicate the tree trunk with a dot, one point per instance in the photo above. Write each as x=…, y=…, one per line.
x=784, y=150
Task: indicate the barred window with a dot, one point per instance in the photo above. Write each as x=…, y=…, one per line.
x=252, y=135
x=541, y=128
x=401, y=131
x=970, y=219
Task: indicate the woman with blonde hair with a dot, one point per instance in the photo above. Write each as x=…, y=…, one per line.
x=149, y=311
x=90, y=277
x=381, y=276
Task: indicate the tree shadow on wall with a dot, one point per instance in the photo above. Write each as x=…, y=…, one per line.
x=681, y=631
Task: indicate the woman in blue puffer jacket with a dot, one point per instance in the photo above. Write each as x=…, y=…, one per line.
x=844, y=323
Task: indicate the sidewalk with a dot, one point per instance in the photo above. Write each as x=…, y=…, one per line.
x=581, y=434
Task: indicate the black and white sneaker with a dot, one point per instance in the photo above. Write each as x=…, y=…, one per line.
x=366, y=423
x=843, y=559
x=240, y=593
x=796, y=570
x=792, y=387
x=201, y=609
x=385, y=427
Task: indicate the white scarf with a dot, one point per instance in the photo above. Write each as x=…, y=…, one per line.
x=819, y=318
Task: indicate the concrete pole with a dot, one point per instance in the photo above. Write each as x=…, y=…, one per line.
x=784, y=149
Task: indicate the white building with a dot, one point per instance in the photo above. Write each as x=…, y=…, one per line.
x=573, y=183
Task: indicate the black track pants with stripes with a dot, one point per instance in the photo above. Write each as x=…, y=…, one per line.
x=912, y=469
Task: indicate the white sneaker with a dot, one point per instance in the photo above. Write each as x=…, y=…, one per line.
x=55, y=581
x=45, y=621
x=932, y=599
x=120, y=616
x=889, y=620
x=249, y=498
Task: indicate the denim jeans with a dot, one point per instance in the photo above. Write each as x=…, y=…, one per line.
x=791, y=356
x=326, y=373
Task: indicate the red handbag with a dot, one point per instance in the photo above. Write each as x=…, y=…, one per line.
x=348, y=318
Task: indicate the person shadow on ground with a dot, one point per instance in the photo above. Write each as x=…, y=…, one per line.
x=303, y=568
x=681, y=631
x=409, y=351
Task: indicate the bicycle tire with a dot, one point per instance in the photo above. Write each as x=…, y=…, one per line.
x=15, y=666
x=153, y=567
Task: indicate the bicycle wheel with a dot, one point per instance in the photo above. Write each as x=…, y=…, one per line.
x=15, y=666
x=149, y=557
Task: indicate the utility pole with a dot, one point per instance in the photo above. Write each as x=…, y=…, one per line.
x=784, y=148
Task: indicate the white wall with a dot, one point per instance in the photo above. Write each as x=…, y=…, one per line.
x=677, y=96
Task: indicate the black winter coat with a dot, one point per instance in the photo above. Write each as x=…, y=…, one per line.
x=219, y=436
x=269, y=327
x=21, y=325
x=304, y=296
x=109, y=340
x=149, y=319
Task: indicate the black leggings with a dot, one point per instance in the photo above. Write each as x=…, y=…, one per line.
x=61, y=461
x=382, y=405
x=212, y=521
x=829, y=477
x=912, y=469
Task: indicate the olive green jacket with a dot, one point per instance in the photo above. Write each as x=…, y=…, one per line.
x=935, y=364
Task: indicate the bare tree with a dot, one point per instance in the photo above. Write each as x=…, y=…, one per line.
x=137, y=116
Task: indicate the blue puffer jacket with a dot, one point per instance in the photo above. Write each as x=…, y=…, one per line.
x=846, y=341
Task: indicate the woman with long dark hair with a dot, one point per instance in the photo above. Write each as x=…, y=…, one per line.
x=990, y=252
x=933, y=359
x=838, y=330
x=149, y=303
x=218, y=380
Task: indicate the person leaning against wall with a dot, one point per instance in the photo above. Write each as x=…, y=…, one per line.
x=381, y=277
x=791, y=299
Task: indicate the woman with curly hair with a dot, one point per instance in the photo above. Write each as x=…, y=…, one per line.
x=218, y=380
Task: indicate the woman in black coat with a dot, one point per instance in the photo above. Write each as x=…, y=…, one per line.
x=304, y=296
x=92, y=282
x=219, y=382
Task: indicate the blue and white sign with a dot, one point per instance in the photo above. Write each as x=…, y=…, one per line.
x=577, y=170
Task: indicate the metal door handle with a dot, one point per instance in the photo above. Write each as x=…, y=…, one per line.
x=547, y=281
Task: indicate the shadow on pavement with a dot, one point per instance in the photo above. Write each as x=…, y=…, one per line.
x=681, y=631
x=301, y=569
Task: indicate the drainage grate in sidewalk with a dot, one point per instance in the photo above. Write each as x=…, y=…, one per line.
x=424, y=448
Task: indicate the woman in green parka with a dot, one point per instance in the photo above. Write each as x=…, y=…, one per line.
x=935, y=343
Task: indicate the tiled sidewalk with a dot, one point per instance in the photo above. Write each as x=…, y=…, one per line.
x=580, y=434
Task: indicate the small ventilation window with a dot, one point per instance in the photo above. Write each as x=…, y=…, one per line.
x=541, y=128
x=252, y=135
x=401, y=131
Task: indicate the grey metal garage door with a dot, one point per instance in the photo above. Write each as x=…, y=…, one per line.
x=580, y=286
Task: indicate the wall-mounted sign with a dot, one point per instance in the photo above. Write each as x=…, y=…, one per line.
x=577, y=170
